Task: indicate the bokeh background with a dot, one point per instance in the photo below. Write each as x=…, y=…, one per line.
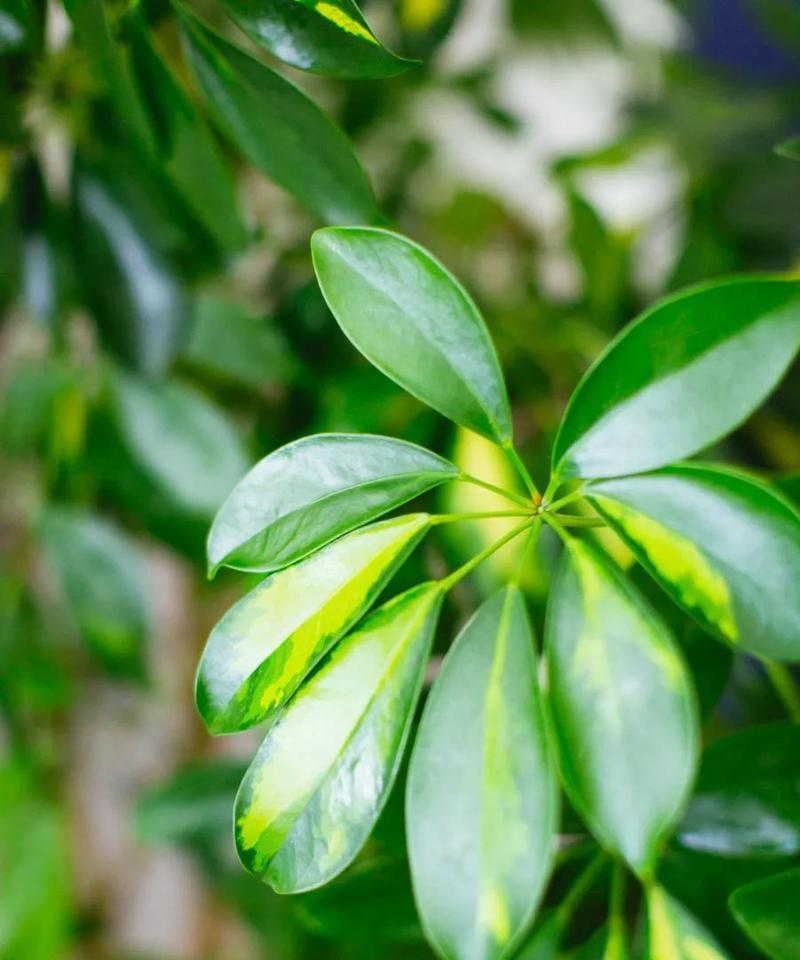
x=570, y=161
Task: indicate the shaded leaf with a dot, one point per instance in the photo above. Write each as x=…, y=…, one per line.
x=789, y=148
x=426, y=23
x=264, y=647
x=412, y=319
x=622, y=706
x=324, y=771
x=482, y=795
x=311, y=491
x=330, y=37
x=724, y=546
x=752, y=808
x=683, y=375
x=280, y=131
x=674, y=934
x=768, y=912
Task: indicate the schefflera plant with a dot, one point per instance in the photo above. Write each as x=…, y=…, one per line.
x=614, y=723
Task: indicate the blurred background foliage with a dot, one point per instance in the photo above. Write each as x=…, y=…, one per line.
x=569, y=160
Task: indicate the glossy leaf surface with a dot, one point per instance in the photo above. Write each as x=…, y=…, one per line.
x=752, y=808
x=769, y=911
x=102, y=575
x=724, y=546
x=623, y=710
x=275, y=126
x=324, y=36
x=675, y=934
x=313, y=490
x=324, y=771
x=266, y=644
x=412, y=319
x=686, y=373
x=482, y=794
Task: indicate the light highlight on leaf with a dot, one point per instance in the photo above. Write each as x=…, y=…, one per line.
x=341, y=19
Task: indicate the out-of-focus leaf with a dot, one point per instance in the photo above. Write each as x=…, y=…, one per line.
x=324, y=36
x=185, y=444
x=141, y=307
x=747, y=799
x=577, y=20
x=426, y=23
x=19, y=29
x=622, y=706
x=40, y=278
x=10, y=228
x=311, y=491
x=645, y=404
x=674, y=934
x=724, y=546
x=192, y=806
x=482, y=795
x=236, y=345
x=325, y=769
x=183, y=146
x=789, y=148
x=768, y=911
x=102, y=575
x=412, y=319
x=262, y=649
x=280, y=131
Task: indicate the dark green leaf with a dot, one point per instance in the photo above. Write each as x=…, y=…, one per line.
x=724, y=546
x=309, y=492
x=426, y=23
x=324, y=36
x=674, y=934
x=324, y=771
x=412, y=319
x=103, y=579
x=769, y=911
x=747, y=799
x=623, y=709
x=789, y=148
x=280, y=131
x=686, y=373
x=263, y=648
x=482, y=789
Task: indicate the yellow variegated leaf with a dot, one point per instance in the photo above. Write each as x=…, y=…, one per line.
x=675, y=934
x=262, y=649
x=322, y=775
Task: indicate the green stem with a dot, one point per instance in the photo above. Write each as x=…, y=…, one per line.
x=615, y=945
x=556, y=525
x=521, y=469
x=580, y=888
x=516, y=498
x=567, y=520
x=470, y=565
x=533, y=536
x=569, y=498
x=488, y=515
x=552, y=486
x=785, y=687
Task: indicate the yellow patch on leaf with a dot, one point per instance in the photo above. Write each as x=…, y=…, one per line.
x=344, y=21
x=417, y=16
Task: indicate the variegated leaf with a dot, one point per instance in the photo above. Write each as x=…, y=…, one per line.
x=674, y=934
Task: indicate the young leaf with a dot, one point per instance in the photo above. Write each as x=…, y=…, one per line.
x=724, y=546
x=330, y=37
x=752, y=808
x=767, y=911
x=265, y=645
x=279, y=130
x=622, y=706
x=482, y=794
x=674, y=934
x=686, y=373
x=103, y=579
x=413, y=320
x=324, y=771
x=309, y=492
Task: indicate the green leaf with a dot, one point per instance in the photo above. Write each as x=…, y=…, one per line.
x=767, y=911
x=141, y=307
x=790, y=149
x=330, y=37
x=412, y=319
x=426, y=23
x=182, y=144
x=324, y=771
x=263, y=648
x=674, y=934
x=752, y=808
x=686, y=373
x=311, y=491
x=482, y=789
x=183, y=443
x=724, y=546
x=193, y=805
x=281, y=131
x=102, y=575
x=623, y=709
